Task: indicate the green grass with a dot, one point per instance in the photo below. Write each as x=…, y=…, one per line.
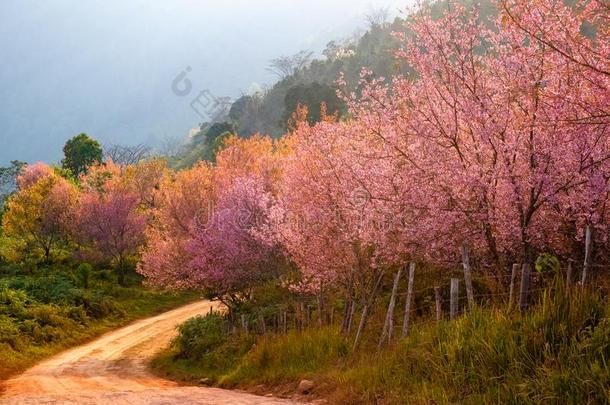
x=277, y=360
x=43, y=315
x=557, y=352
x=202, y=349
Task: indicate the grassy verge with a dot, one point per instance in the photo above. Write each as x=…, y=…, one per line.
x=558, y=352
x=41, y=316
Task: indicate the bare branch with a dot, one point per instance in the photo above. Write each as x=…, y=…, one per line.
x=286, y=66
x=126, y=155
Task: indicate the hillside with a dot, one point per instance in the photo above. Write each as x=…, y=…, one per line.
x=311, y=82
x=268, y=111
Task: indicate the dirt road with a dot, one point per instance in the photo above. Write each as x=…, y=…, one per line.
x=113, y=370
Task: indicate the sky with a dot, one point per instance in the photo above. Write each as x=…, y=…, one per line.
x=106, y=67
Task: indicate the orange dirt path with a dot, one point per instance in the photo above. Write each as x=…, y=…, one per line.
x=113, y=369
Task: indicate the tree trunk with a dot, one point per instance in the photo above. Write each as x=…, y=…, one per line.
x=121, y=272
x=388, y=327
x=587, y=262
x=320, y=310
x=47, y=255
x=467, y=276
x=350, y=319
x=407, y=314
x=345, y=320
x=361, y=326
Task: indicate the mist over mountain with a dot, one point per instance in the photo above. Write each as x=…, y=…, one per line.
x=106, y=67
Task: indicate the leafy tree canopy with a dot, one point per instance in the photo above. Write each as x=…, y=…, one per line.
x=312, y=96
x=81, y=152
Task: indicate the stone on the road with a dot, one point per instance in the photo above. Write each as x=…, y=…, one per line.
x=305, y=386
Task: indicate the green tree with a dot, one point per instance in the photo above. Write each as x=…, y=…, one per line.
x=239, y=108
x=312, y=95
x=81, y=152
x=217, y=129
x=218, y=144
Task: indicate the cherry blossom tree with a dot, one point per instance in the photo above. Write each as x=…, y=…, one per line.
x=489, y=134
x=112, y=224
x=204, y=228
x=183, y=200
x=332, y=217
x=113, y=209
x=227, y=256
x=498, y=139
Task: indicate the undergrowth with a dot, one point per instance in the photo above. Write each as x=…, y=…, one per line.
x=42, y=314
x=556, y=352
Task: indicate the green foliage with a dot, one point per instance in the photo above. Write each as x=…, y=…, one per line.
x=217, y=145
x=83, y=273
x=203, y=348
x=42, y=314
x=312, y=96
x=289, y=357
x=239, y=108
x=209, y=132
x=555, y=353
x=547, y=263
x=201, y=335
x=81, y=152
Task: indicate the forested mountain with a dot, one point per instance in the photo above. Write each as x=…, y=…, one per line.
x=311, y=82
x=302, y=81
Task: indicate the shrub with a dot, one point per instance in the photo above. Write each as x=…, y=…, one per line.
x=55, y=288
x=98, y=306
x=200, y=335
x=83, y=274
x=50, y=315
x=105, y=275
x=77, y=314
x=10, y=334
x=12, y=302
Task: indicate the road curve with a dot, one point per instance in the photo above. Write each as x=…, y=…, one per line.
x=113, y=370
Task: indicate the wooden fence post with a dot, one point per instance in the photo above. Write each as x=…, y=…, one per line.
x=308, y=316
x=352, y=312
x=363, y=319
x=587, y=262
x=302, y=315
x=320, y=311
x=454, y=298
x=525, y=286
x=467, y=276
x=244, y=323
x=345, y=317
x=513, y=279
x=405, y=321
x=569, y=275
x=437, y=300
x=388, y=326
x=285, y=322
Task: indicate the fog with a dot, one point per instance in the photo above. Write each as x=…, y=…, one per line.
x=106, y=67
